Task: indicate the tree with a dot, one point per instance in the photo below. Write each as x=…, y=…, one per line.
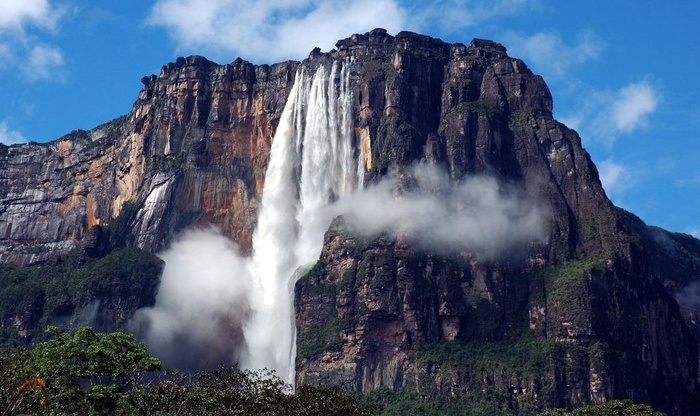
x=326, y=401
x=86, y=372
x=89, y=373
x=609, y=408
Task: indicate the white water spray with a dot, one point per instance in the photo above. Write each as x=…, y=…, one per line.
x=312, y=163
x=209, y=292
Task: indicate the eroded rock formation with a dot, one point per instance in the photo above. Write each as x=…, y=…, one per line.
x=591, y=307
x=193, y=150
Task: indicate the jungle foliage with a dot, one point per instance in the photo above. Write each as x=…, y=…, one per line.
x=33, y=297
x=89, y=373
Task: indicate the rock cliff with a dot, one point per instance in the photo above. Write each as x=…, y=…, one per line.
x=372, y=313
x=585, y=315
x=193, y=150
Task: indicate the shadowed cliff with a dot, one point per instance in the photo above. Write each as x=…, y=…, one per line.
x=587, y=308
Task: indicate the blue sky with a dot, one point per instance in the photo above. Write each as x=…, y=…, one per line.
x=624, y=74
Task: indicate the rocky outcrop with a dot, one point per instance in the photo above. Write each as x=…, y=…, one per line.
x=193, y=150
x=589, y=312
x=366, y=309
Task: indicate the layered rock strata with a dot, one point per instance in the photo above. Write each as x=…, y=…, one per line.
x=193, y=150
x=596, y=295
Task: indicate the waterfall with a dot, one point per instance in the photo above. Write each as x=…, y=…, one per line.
x=314, y=160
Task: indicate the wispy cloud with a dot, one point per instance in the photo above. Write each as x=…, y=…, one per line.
x=271, y=30
x=604, y=116
x=8, y=136
x=632, y=106
x=289, y=29
x=550, y=55
x=615, y=177
x=20, y=22
x=45, y=62
x=688, y=180
x=452, y=16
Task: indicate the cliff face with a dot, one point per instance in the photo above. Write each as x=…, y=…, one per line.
x=193, y=150
x=588, y=312
x=371, y=313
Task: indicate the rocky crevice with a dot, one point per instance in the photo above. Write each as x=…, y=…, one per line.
x=589, y=291
x=206, y=127
x=591, y=308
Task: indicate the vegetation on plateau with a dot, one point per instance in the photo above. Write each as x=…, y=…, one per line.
x=609, y=408
x=515, y=377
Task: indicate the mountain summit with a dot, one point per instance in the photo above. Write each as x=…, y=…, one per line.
x=475, y=257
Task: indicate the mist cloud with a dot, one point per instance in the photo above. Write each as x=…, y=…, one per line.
x=201, y=304
x=208, y=307
x=478, y=214
x=688, y=298
x=8, y=136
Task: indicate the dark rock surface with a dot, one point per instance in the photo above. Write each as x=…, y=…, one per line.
x=595, y=289
x=597, y=296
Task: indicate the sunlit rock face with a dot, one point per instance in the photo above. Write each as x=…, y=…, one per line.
x=193, y=150
x=593, y=283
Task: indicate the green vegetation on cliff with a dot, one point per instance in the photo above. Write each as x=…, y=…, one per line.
x=66, y=290
x=610, y=408
x=90, y=373
x=523, y=377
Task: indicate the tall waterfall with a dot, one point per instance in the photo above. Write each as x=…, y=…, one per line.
x=313, y=161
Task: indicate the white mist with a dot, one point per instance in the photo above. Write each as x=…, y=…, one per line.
x=209, y=292
x=314, y=160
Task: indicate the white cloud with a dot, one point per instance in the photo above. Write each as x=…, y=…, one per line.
x=632, y=106
x=606, y=115
x=694, y=231
x=21, y=24
x=615, y=177
x=549, y=54
x=16, y=15
x=9, y=137
x=289, y=29
x=272, y=30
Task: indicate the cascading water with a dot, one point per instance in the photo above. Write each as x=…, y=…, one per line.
x=209, y=292
x=313, y=161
